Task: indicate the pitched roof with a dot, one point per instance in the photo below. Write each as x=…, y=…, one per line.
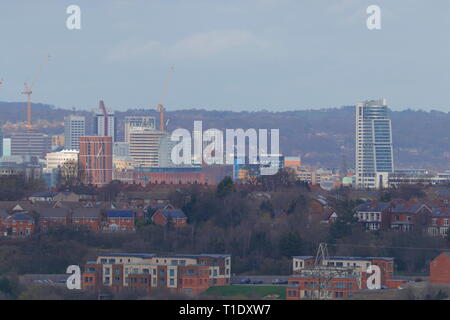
x=86, y=213
x=20, y=217
x=172, y=213
x=407, y=207
x=120, y=214
x=3, y=214
x=53, y=212
x=373, y=206
x=441, y=212
x=45, y=194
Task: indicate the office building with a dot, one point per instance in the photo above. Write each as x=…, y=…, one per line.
x=121, y=149
x=58, y=142
x=55, y=160
x=111, y=124
x=74, y=128
x=145, y=145
x=374, y=155
x=138, y=122
x=6, y=147
x=95, y=160
x=30, y=144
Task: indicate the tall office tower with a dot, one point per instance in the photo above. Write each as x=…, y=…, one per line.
x=95, y=160
x=99, y=125
x=74, y=128
x=30, y=144
x=144, y=146
x=374, y=154
x=138, y=122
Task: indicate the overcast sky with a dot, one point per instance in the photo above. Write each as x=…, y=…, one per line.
x=228, y=54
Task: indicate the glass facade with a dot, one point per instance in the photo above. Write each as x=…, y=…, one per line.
x=374, y=155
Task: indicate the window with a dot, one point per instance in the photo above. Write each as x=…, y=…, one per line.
x=172, y=282
x=172, y=273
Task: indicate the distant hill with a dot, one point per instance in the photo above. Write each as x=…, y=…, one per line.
x=322, y=137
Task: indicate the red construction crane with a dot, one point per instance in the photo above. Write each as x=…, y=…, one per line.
x=105, y=115
x=29, y=90
x=160, y=108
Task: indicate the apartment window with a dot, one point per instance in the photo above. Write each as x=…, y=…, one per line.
x=172, y=282
x=445, y=222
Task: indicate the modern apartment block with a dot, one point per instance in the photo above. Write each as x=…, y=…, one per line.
x=30, y=144
x=186, y=274
x=337, y=277
x=95, y=160
x=138, y=122
x=100, y=123
x=374, y=154
x=145, y=146
x=74, y=128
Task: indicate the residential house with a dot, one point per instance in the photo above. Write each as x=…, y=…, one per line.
x=120, y=220
x=43, y=196
x=438, y=222
x=409, y=216
x=374, y=215
x=19, y=225
x=88, y=217
x=49, y=217
x=169, y=215
x=440, y=269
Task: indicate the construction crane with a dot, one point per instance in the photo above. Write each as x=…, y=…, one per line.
x=29, y=90
x=160, y=108
x=105, y=115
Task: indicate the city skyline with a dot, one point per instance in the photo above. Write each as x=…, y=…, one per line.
x=263, y=54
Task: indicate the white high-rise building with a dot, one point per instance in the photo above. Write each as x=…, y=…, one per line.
x=74, y=128
x=99, y=125
x=374, y=153
x=145, y=145
x=138, y=122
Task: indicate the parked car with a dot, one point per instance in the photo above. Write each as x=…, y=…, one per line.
x=245, y=281
x=279, y=281
x=257, y=282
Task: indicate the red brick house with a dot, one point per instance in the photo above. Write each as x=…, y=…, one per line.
x=169, y=215
x=439, y=222
x=3, y=217
x=49, y=217
x=19, y=225
x=88, y=217
x=440, y=269
x=120, y=220
x=407, y=216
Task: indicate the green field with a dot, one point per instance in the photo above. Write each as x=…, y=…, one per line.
x=247, y=291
